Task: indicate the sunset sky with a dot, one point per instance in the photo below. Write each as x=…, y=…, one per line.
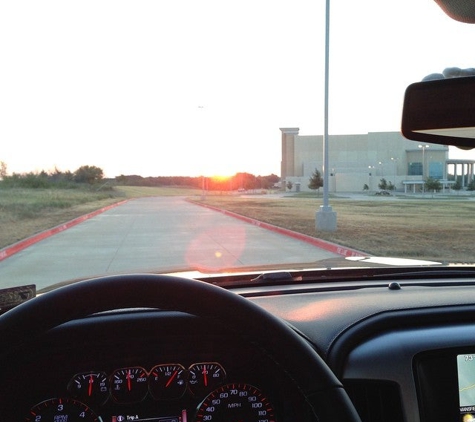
x=192, y=87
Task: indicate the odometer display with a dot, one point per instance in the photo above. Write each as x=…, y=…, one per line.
x=236, y=402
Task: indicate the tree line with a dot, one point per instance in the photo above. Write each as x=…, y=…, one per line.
x=84, y=175
x=239, y=181
x=93, y=175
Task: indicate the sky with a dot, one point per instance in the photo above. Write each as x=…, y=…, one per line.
x=201, y=87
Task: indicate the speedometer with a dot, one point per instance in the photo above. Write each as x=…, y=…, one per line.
x=236, y=402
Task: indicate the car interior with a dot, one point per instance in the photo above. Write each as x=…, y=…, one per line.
x=378, y=344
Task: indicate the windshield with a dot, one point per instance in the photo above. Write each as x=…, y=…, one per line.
x=127, y=128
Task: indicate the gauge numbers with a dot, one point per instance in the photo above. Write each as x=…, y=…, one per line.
x=66, y=409
x=91, y=387
x=132, y=384
x=236, y=402
x=167, y=382
x=205, y=376
x=129, y=385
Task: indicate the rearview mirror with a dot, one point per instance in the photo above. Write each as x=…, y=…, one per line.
x=441, y=112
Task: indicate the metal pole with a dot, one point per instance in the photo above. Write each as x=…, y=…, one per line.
x=325, y=218
x=325, y=128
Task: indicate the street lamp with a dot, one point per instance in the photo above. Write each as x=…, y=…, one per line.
x=394, y=160
x=325, y=218
x=423, y=158
x=370, y=178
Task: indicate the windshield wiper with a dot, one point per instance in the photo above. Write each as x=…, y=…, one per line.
x=281, y=276
x=344, y=275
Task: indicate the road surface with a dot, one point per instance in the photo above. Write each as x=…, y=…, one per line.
x=163, y=234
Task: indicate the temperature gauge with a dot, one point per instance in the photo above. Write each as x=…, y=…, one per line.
x=205, y=377
x=129, y=385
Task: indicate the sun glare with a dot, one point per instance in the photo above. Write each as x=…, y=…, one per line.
x=220, y=178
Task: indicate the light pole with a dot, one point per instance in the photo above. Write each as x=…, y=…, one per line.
x=394, y=160
x=423, y=159
x=325, y=218
x=423, y=165
x=370, y=174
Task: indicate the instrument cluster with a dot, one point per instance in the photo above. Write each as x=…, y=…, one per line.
x=132, y=384
x=166, y=392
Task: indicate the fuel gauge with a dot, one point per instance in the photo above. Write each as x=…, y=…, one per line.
x=167, y=381
x=90, y=387
x=205, y=377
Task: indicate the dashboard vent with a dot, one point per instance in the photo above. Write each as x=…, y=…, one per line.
x=376, y=401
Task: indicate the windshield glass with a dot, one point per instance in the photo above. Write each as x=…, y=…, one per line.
x=128, y=126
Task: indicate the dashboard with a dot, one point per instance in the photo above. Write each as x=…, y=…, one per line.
x=146, y=365
x=403, y=353
x=404, y=350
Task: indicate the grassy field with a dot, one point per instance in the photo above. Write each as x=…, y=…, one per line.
x=24, y=212
x=424, y=228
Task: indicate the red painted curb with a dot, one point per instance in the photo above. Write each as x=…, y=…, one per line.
x=23, y=244
x=323, y=244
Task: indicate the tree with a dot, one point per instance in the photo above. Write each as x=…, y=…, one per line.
x=289, y=185
x=315, y=181
x=365, y=187
x=432, y=185
x=457, y=185
x=3, y=170
x=88, y=174
x=471, y=185
x=383, y=184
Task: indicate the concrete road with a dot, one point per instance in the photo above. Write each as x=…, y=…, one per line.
x=152, y=234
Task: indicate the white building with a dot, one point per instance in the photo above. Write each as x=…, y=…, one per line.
x=360, y=161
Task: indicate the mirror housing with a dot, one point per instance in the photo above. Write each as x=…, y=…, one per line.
x=441, y=112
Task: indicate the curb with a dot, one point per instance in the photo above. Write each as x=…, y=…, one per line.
x=322, y=244
x=25, y=243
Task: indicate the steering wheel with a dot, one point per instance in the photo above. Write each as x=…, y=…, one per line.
x=321, y=389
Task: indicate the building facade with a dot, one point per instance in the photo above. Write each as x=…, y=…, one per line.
x=359, y=162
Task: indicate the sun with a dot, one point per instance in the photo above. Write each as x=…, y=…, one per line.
x=220, y=178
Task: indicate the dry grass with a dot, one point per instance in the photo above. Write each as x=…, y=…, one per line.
x=434, y=229
x=25, y=212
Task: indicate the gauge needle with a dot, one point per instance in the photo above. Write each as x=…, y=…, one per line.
x=205, y=376
x=91, y=380
x=129, y=382
x=171, y=379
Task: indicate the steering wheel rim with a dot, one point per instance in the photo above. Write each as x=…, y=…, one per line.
x=317, y=383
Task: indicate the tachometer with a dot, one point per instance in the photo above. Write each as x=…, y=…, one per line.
x=236, y=402
x=53, y=410
x=129, y=385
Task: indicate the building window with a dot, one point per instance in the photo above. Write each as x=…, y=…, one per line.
x=415, y=169
x=436, y=170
